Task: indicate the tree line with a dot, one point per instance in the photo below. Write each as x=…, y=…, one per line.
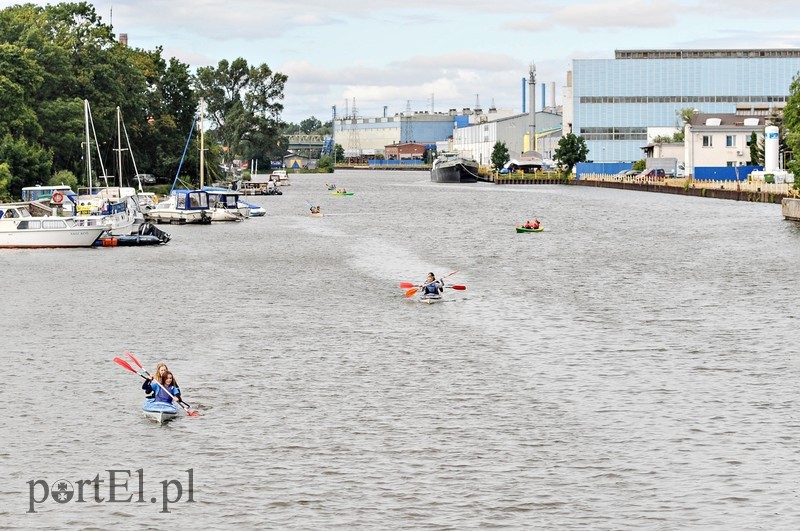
x=54, y=57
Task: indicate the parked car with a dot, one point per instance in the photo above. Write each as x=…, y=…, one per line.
x=626, y=175
x=653, y=174
x=146, y=178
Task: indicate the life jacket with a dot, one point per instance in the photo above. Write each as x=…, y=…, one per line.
x=536, y=225
x=432, y=288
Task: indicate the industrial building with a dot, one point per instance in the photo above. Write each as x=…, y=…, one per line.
x=618, y=105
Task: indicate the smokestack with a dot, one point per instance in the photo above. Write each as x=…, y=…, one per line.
x=553, y=94
x=523, y=95
x=543, y=95
x=532, y=110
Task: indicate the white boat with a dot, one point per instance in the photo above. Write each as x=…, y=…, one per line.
x=256, y=211
x=20, y=228
x=225, y=205
x=115, y=207
x=159, y=412
x=182, y=206
x=280, y=177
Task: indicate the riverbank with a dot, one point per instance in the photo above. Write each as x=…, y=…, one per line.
x=742, y=191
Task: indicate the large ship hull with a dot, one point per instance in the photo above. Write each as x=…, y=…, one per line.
x=455, y=171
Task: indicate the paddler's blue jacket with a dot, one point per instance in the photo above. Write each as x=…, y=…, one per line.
x=156, y=390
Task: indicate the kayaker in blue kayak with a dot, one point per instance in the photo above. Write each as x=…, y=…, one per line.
x=432, y=286
x=161, y=391
x=158, y=375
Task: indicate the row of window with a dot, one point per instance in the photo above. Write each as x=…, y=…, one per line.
x=683, y=99
x=45, y=224
x=704, y=54
x=730, y=141
x=615, y=136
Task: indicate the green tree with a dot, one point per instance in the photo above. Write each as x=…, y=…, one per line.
x=791, y=119
x=64, y=177
x=29, y=163
x=243, y=106
x=310, y=125
x=338, y=153
x=325, y=164
x=639, y=165
x=571, y=150
x=499, y=155
x=5, y=182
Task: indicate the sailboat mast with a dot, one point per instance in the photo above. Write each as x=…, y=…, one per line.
x=202, y=151
x=88, y=156
x=119, y=149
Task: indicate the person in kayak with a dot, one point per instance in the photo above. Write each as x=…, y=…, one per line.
x=158, y=376
x=161, y=390
x=528, y=225
x=432, y=286
x=535, y=223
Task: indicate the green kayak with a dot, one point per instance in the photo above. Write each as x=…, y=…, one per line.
x=340, y=193
x=523, y=229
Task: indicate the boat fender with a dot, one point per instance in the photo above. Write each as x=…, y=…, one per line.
x=57, y=198
x=109, y=242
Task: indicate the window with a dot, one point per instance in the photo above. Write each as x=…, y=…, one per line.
x=707, y=141
x=730, y=141
x=53, y=224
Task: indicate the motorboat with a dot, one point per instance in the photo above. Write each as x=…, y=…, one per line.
x=225, y=204
x=182, y=206
x=20, y=228
x=256, y=211
x=280, y=177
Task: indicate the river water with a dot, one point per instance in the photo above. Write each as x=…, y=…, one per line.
x=633, y=366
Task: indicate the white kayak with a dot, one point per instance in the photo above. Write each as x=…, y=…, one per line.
x=430, y=298
x=160, y=412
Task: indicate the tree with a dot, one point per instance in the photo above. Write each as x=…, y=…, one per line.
x=570, y=151
x=310, y=125
x=325, y=164
x=338, y=152
x=499, y=155
x=791, y=119
x=243, y=106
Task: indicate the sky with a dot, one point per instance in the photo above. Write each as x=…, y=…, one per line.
x=433, y=56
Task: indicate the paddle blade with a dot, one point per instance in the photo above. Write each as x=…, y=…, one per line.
x=407, y=285
x=125, y=365
x=411, y=292
x=131, y=356
x=459, y=287
x=192, y=413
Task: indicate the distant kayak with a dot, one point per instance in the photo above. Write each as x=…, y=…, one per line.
x=523, y=229
x=317, y=214
x=341, y=193
x=160, y=412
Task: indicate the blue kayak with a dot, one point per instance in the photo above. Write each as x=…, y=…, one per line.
x=159, y=411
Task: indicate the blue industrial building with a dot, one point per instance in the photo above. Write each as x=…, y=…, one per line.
x=614, y=101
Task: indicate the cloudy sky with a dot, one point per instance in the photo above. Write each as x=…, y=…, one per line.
x=434, y=55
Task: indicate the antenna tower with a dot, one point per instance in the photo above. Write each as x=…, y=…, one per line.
x=407, y=131
x=353, y=140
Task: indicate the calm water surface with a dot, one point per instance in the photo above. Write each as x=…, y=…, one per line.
x=634, y=366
